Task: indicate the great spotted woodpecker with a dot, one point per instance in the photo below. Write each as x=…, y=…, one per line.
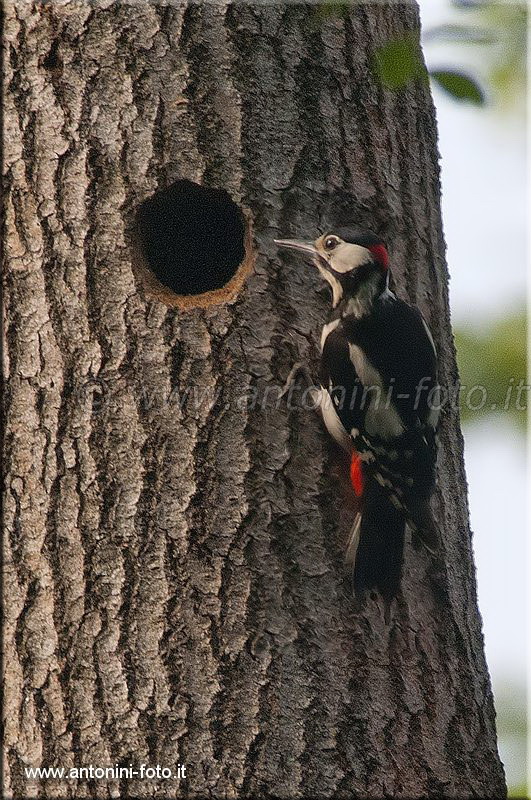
x=378, y=395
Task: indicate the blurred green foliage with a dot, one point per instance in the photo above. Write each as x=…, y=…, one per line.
x=398, y=62
x=503, y=26
x=518, y=793
x=512, y=727
x=459, y=85
x=497, y=29
x=495, y=358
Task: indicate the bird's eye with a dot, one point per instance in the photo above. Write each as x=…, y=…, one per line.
x=331, y=242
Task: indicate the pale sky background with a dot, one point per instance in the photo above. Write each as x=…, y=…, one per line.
x=484, y=178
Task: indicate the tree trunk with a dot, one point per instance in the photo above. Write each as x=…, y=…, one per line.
x=174, y=588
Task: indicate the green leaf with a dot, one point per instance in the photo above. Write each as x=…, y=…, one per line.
x=459, y=86
x=398, y=62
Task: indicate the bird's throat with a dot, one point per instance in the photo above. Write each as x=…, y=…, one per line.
x=360, y=292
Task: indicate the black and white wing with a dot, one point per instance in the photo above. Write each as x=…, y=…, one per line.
x=394, y=357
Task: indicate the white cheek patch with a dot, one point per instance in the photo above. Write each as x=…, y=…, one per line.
x=346, y=257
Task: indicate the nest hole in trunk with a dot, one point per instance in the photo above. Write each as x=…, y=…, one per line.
x=195, y=245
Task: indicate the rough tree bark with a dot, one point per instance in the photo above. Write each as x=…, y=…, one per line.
x=174, y=589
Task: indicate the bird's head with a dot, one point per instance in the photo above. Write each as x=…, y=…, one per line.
x=352, y=261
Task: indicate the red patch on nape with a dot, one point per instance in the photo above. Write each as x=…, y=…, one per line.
x=356, y=474
x=379, y=251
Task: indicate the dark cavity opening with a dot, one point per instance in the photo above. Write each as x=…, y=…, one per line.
x=192, y=237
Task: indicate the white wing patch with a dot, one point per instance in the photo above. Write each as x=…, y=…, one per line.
x=381, y=417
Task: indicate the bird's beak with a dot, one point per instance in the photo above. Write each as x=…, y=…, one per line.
x=296, y=244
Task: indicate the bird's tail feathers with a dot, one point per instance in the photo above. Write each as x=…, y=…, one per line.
x=376, y=543
x=353, y=542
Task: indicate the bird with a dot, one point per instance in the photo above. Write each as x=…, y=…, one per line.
x=378, y=393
